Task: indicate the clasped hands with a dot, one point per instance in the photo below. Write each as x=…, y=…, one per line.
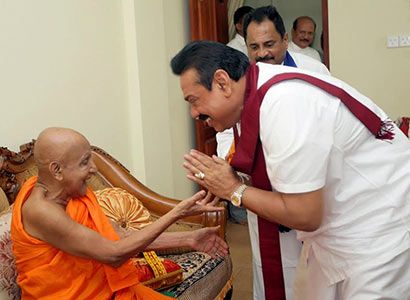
x=218, y=176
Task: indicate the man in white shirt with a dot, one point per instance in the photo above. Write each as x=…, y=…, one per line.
x=267, y=41
x=238, y=42
x=324, y=160
x=303, y=34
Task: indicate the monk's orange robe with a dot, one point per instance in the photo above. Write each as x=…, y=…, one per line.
x=45, y=272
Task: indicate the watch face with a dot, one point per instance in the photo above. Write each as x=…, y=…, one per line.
x=236, y=200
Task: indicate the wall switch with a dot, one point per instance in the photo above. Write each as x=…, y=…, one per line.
x=404, y=41
x=392, y=41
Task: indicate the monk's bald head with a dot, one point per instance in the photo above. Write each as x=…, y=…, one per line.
x=56, y=144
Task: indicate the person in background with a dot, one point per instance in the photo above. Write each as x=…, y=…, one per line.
x=303, y=34
x=267, y=42
x=238, y=42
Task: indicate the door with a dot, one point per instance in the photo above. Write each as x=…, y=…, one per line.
x=209, y=21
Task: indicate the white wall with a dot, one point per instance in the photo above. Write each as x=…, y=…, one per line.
x=102, y=68
x=161, y=31
x=62, y=63
x=358, y=30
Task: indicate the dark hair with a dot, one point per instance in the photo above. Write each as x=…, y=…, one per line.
x=295, y=23
x=240, y=13
x=206, y=57
x=260, y=14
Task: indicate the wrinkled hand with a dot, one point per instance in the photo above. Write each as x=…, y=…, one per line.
x=220, y=179
x=207, y=240
x=197, y=204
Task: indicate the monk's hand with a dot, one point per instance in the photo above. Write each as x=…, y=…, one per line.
x=207, y=240
x=214, y=173
x=197, y=204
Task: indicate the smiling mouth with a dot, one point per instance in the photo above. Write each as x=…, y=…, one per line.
x=202, y=117
x=205, y=118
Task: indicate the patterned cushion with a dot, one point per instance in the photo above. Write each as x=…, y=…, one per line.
x=8, y=272
x=204, y=278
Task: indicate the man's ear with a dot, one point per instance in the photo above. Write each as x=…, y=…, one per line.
x=222, y=81
x=286, y=38
x=55, y=170
x=238, y=27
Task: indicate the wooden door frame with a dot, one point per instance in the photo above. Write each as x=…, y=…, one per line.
x=325, y=25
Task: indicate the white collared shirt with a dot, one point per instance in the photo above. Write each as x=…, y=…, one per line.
x=238, y=43
x=309, y=51
x=312, y=141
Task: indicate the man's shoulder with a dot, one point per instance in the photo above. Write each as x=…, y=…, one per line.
x=305, y=62
x=238, y=43
x=37, y=207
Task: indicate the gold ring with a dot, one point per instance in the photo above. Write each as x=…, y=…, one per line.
x=200, y=175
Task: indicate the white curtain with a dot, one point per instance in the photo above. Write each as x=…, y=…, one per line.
x=233, y=5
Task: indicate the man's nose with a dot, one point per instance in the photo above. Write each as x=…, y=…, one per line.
x=194, y=113
x=93, y=167
x=262, y=52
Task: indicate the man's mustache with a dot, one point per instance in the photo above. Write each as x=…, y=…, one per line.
x=305, y=40
x=258, y=59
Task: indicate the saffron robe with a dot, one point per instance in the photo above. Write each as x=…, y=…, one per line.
x=45, y=272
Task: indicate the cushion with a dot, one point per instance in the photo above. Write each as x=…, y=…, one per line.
x=204, y=278
x=4, y=202
x=124, y=209
x=8, y=271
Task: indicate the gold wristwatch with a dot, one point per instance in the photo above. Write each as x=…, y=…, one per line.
x=236, y=197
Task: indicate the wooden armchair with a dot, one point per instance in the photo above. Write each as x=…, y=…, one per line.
x=15, y=168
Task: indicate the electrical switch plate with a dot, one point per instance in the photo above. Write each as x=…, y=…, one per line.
x=404, y=40
x=392, y=41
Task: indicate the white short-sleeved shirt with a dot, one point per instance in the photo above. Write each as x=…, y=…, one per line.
x=238, y=43
x=311, y=141
x=309, y=51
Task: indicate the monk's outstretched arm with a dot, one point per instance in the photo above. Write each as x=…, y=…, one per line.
x=50, y=223
x=204, y=239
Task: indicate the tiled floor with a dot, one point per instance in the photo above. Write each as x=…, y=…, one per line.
x=240, y=249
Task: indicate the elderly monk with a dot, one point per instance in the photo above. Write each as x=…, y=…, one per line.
x=65, y=247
